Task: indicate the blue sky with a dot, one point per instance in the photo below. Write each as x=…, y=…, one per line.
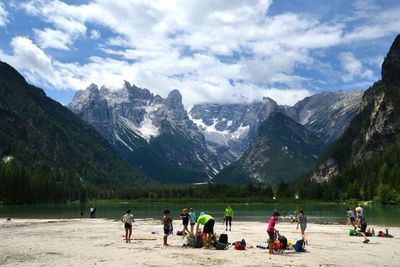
x=211, y=50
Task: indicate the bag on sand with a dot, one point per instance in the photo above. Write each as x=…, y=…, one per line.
x=282, y=239
x=299, y=246
x=240, y=246
x=195, y=241
x=223, y=238
x=353, y=232
x=220, y=246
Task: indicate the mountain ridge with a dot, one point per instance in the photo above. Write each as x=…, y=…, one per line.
x=51, y=141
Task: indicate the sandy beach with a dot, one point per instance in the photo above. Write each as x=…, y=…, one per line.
x=99, y=242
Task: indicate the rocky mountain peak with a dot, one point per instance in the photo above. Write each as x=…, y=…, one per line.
x=391, y=64
x=174, y=100
x=127, y=85
x=93, y=88
x=175, y=96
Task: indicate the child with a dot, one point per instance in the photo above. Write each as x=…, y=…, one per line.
x=127, y=219
x=185, y=221
x=192, y=216
x=302, y=221
x=271, y=231
x=362, y=223
x=352, y=219
x=168, y=228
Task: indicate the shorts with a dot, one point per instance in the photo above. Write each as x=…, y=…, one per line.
x=128, y=226
x=185, y=224
x=192, y=223
x=209, y=227
x=168, y=229
x=271, y=236
x=303, y=226
x=363, y=228
x=352, y=219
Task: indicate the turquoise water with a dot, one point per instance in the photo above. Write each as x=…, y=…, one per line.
x=333, y=213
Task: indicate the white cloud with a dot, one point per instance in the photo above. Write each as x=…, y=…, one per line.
x=210, y=50
x=56, y=39
x=353, y=67
x=94, y=34
x=3, y=15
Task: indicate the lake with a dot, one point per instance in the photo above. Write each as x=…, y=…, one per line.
x=332, y=213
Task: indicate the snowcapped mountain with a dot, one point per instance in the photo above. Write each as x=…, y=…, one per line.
x=230, y=128
x=150, y=132
x=282, y=150
x=158, y=136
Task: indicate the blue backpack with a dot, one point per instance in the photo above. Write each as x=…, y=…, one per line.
x=299, y=246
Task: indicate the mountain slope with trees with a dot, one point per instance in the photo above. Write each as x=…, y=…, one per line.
x=365, y=162
x=49, y=154
x=282, y=151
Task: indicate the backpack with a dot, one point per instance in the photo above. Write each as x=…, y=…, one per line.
x=195, y=241
x=282, y=239
x=240, y=245
x=220, y=246
x=299, y=246
x=277, y=245
x=353, y=232
x=223, y=238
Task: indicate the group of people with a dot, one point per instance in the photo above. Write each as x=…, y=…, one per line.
x=357, y=220
x=301, y=220
x=205, y=220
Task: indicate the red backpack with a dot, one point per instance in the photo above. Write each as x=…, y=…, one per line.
x=240, y=246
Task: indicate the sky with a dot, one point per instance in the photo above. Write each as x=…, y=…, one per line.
x=211, y=50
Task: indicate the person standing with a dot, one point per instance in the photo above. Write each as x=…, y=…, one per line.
x=168, y=227
x=185, y=221
x=192, y=217
x=208, y=229
x=359, y=209
x=362, y=223
x=272, y=231
x=128, y=220
x=351, y=217
x=228, y=216
x=302, y=221
x=93, y=211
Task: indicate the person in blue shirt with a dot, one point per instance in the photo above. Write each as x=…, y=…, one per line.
x=192, y=218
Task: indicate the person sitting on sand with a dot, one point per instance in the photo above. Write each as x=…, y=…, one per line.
x=168, y=228
x=302, y=221
x=272, y=231
x=362, y=223
x=185, y=221
x=208, y=229
x=228, y=215
x=192, y=217
x=351, y=217
x=127, y=219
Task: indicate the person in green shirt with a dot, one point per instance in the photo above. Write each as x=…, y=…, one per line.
x=208, y=229
x=228, y=216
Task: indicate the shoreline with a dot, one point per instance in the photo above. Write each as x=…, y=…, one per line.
x=83, y=242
